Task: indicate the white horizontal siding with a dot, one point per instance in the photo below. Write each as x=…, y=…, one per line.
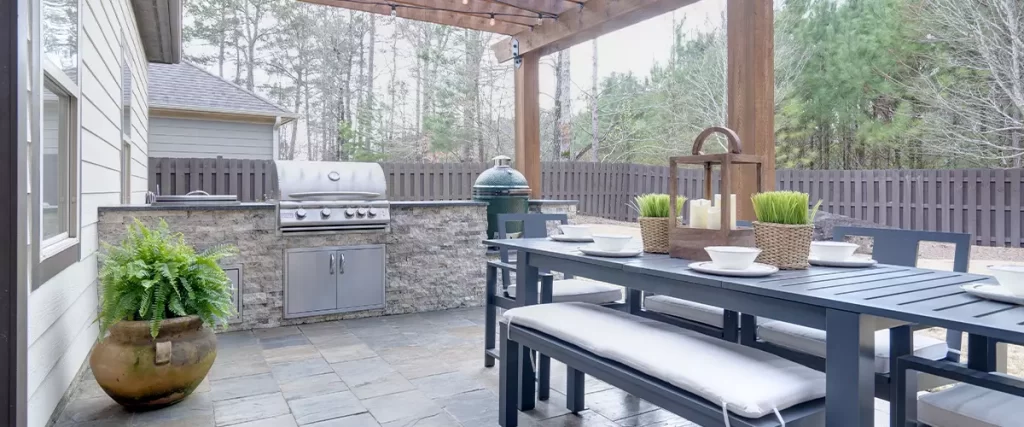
x=62, y=310
x=175, y=137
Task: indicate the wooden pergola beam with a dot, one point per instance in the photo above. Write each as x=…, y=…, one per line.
x=454, y=19
x=527, y=97
x=751, y=93
x=577, y=25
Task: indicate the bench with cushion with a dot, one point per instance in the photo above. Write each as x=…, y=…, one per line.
x=502, y=294
x=982, y=399
x=703, y=379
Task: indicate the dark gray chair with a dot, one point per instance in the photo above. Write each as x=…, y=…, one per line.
x=567, y=289
x=807, y=345
x=703, y=318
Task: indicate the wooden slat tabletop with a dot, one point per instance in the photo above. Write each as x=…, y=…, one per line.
x=915, y=295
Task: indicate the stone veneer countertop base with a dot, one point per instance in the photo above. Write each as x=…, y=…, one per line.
x=434, y=256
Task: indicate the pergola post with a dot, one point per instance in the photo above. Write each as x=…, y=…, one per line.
x=527, y=156
x=751, y=98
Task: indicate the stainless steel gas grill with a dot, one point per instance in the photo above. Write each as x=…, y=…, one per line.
x=331, y=196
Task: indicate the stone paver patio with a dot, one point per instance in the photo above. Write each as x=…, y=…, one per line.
x=413, y=370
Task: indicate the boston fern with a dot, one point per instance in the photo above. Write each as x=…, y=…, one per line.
x=154, y=275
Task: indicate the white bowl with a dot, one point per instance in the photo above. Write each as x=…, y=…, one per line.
x=575, y=231
x=732, y=257
x=833, y=251
x=611, y=242
x=1009, y=276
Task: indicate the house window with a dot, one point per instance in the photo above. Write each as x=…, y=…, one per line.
x=126, y=172
x=55, y=170
x=126, y=95
x=55, y=155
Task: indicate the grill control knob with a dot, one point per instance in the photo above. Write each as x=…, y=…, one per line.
x=326, y=212
x=361, y=212
x=349, y=213
x=371, y=213
x=300, y=214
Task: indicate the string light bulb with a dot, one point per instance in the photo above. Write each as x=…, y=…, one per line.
x=492, y=20
x=394, y=11
x=465, y=1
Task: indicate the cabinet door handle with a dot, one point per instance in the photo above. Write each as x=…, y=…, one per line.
x=330, y=266
x=341, y=264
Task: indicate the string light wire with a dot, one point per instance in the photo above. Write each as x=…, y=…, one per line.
x=539, y=16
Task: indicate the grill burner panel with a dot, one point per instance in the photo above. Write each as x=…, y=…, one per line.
x=322, y=196
x=340, y=215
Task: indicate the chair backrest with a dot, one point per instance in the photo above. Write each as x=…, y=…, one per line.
x=899, y=247
x=534, y=226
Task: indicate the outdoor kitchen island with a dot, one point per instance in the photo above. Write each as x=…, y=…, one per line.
x=432, y=254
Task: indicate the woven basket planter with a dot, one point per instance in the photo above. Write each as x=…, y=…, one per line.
x=654, y=232
x=784, y=246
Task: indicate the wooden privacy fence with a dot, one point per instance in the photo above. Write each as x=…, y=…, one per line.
x=985, y=203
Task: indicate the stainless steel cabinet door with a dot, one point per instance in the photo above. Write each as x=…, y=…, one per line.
x=311, y=281
x=361, y=278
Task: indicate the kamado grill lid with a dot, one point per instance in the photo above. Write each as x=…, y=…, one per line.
x=501, y=180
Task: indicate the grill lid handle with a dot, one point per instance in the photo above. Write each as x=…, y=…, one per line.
x=365, y=194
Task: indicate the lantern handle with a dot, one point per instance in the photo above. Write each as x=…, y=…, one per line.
x=734, y=140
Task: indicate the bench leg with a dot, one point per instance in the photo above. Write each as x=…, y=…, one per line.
x=490, y=315
x=508, y=380
x=981, y=353
x=527, y=380
x=730, y=326
x=902, y=384
x=543, y=377
x=748, y=330
x=574, y=390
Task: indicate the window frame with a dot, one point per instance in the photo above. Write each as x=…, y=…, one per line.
x=51, y=256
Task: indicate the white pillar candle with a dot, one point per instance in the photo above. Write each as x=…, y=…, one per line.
x=699, y=213
x=732, y=208
x=714, y=218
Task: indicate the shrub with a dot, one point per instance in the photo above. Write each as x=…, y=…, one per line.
x=154, y=275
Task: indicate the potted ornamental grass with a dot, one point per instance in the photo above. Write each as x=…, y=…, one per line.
x=653, y=212
x=784, y=228
x=160, y=300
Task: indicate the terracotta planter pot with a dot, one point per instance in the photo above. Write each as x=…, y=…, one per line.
x=142, y=373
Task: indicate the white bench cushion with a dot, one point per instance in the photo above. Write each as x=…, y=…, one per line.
x=965, y=405
x=577, y=290
x=689, y=310
x=812, y=341
x=751, y=382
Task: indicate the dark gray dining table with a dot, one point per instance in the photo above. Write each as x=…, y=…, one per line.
x=850, y=304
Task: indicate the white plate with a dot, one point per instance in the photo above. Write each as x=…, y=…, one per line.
x=567, y=239
x=625, y=253
x=854, y=262
x=755, y=270
x=992, y=292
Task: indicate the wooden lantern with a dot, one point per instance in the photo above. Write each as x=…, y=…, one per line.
x=689, y=243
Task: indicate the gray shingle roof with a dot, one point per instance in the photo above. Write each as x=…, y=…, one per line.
x=185, y=86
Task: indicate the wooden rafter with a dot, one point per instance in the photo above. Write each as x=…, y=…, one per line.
x=579, y=25
x=455, y=19
x=482, y=9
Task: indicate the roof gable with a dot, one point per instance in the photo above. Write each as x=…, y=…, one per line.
x=185, y=86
